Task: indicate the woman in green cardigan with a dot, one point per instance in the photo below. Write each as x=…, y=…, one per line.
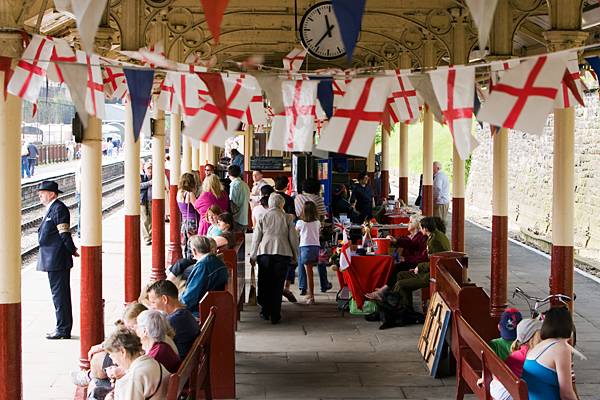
x=417, y=278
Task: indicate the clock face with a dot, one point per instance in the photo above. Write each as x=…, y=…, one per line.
x=320, y=32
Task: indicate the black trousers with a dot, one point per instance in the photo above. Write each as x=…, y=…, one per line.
x=60, y=285
x=272, y=271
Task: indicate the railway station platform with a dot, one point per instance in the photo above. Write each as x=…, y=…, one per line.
x=314, y=353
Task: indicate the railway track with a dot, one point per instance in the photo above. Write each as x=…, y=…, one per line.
x=32, y=216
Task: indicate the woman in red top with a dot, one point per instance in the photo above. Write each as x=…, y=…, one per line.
x=152, y=328
x=414, y=248
x=212, y=193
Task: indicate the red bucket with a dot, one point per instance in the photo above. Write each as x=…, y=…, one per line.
x=383, y=245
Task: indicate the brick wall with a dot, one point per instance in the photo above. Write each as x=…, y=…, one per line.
x=530, y=181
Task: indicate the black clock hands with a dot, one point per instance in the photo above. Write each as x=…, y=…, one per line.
x=329, y=27
x=327, y=32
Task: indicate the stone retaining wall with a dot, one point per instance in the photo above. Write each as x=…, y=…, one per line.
x=530, y=181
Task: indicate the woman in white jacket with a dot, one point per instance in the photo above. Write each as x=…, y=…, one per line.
x=145, y=378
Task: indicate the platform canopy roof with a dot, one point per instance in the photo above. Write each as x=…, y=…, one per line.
x=268, y=28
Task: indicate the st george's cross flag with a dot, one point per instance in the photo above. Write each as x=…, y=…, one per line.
x=94, y=101
x=61, y=53
x=30, y=73
x=167, y=99
x=255, y=114
x=207, y=125
x=525, y=95
x=299, y=98
x=454, y=90
x=190, y=93
x=115, y=83
x=294, y=59
x=404, y=97
x=352, y=128
x=571, y=88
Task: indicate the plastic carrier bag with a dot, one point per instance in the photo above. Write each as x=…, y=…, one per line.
x=369, y=307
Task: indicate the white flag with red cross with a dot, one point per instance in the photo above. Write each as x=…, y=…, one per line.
x=294, y=59
x=571, y=88
x=30, y=72
x=404, y=96
x=94, y=98
x=207, y=125
x=352, y=128
x=255, y=114
x=525, y=95
x=166, y=99
x=115, y=83
x=190, y=93
x=61, y=53
x=277, y=135
x=454, y=89
x=299, y=98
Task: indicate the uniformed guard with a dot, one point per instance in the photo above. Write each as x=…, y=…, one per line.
x=56, y=256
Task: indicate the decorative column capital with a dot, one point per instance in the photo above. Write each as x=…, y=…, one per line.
x=104, y=39
x=11, y=44
x=562, y=40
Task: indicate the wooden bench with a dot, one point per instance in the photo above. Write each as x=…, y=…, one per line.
x=193, y=375
x=474, y=357
x=222, y=345
x=237, y=275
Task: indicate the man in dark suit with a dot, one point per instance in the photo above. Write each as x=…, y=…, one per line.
x=56, y=256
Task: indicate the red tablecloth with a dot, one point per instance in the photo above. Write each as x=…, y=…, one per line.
x=365, y=274
x=397, y=219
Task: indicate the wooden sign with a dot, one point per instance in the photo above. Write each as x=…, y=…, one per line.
x=433, y=335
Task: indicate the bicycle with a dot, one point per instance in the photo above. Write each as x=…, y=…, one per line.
x=540, y=302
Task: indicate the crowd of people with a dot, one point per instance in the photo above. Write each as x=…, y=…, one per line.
x=155, y=335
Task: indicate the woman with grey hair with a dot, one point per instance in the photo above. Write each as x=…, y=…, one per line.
x=145, y=377
x=209, y=273
x=152, y=328
x=274, y=246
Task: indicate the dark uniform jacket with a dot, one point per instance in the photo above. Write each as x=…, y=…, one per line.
x=54, y=236
x=145, y=189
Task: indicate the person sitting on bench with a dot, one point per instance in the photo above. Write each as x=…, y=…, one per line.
x=414, y=248
x=163, y=296
x=507, y=326
x=400, y=297
x=209, y=273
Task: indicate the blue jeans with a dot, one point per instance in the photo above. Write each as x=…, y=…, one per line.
x=307, y=255
x=24, y=167
x=31, y=165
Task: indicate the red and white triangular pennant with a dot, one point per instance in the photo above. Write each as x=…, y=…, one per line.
x=525, y=95
x=207, y=125
x=351, y=129
x=94, y=102
x=30, y=73
x=454, y=90
x=294, y=59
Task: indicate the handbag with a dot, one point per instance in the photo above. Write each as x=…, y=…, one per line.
x=369, y=307
x=190, y=225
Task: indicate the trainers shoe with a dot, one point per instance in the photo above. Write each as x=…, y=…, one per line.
x=289, y=296
x=310, y=300
x=81, y=378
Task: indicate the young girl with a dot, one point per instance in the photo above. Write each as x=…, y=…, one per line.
x=211, y=216
x=309, y=226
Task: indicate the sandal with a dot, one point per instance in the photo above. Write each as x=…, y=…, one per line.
x=310, y=300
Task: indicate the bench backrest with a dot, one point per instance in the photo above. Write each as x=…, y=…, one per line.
x=194, y=371
x=475, y=356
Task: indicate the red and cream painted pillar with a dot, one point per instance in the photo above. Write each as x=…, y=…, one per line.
x=196, y=158
x=10, y=244
x=175, y=224
x=403, y=163
x=500, y=48
x=459, y=56
x=133, y=264
x=385, y=163
x=403, y=145
x=566, y=33
x=186, y=158
x=427, y=192
x=158, y=198
x=91, y=313
x=499, y=256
